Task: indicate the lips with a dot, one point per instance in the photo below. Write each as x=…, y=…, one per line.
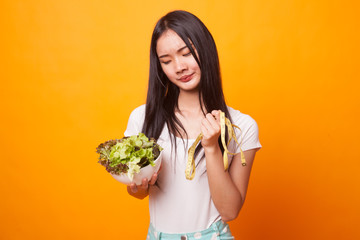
x=186, y=78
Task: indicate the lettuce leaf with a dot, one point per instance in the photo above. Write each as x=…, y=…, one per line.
x=129, y=154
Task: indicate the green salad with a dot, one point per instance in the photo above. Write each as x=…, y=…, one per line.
x=129, y=154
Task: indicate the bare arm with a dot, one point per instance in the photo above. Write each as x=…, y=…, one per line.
x=227, y=188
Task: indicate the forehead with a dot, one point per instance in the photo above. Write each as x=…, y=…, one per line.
x=169, y=42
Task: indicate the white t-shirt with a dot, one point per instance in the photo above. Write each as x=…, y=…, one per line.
x=178, y=205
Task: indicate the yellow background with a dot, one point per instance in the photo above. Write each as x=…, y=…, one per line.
x=72, y=71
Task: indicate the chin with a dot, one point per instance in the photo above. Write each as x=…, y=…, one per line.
x=190, y=88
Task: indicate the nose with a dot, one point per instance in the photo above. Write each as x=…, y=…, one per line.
x=180, y=66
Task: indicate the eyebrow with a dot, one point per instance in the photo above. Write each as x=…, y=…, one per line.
x=179, y=50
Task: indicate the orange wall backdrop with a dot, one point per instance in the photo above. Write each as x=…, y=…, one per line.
x=72, y=71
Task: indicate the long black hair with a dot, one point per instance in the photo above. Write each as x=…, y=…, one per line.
x=162, y=95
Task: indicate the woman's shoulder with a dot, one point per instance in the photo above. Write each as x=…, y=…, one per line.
x=138, y=111
x=140, y=108
x=135, y=121
x=249, y=131
x=138, y=114
x=240, y=118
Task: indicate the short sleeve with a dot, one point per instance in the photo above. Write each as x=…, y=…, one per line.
x=247, y=135
x=136, y=121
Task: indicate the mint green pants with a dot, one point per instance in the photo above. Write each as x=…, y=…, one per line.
x=217, y=231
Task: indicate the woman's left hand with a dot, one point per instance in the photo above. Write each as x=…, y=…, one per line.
x=211, y=130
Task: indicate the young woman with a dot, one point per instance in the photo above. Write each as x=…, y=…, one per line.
x=184, y=99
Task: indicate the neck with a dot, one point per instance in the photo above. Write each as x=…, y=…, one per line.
x=189, y=101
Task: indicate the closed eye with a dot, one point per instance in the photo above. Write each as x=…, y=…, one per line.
x=187, y=54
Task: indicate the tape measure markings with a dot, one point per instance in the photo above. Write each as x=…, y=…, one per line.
x=190, y=165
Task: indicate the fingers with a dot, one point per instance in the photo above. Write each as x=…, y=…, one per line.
x=210, y=125
x=215, y=122
x=144, y=184
x=155, y=176
x=216, y=114
x=153, y=179
x=133, y=187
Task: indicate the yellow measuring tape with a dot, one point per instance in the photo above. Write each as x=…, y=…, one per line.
x=190, y=165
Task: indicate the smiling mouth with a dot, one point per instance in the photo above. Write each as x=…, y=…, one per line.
x=186, y=78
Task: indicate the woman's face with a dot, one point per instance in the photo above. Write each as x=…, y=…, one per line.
x=177, y=62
